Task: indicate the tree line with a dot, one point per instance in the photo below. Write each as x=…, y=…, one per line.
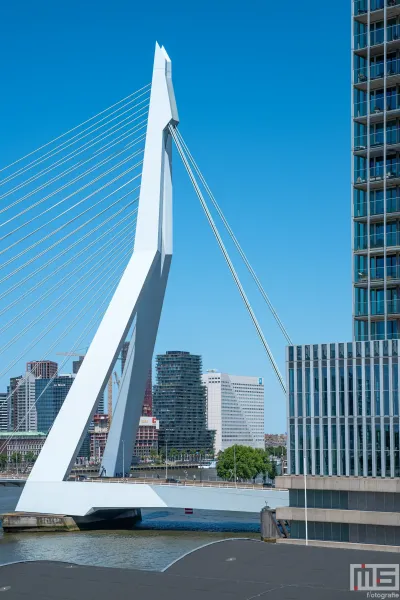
x=244, y=462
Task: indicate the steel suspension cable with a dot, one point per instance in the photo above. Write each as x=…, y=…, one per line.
x=58, y=319
x=86, y=329
x=30, y=261
x=73, y=129
x=72, y=154
x=86, y=185
x=235, y=240
x=73, y=259
x=63, y=187
x=66, y=250
x=227, y=258
x=74, y=167
x=67, y=292
x=61, y=283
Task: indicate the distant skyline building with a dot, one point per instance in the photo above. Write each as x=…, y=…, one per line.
x=98, y=433
x=42, y=368
x=49, y=396
x=147, y=437
x=274, y=440
x=235, y=409
x=76, y=365
x=147, y=409
x=23, y=410
x=179, y=402
x=5, y=418
x=376, y=170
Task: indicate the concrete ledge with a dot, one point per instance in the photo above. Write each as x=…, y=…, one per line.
x=18, y=521
x=331, y=515
x=349, y=484
x=344, y=545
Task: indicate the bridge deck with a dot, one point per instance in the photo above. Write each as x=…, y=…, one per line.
x=233, y=569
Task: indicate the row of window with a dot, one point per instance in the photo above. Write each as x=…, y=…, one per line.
x=375, y=68
x=377, y=330
x=339, y=499
x=376, y=34
x=376, y=202
x=377, y=170
x=362, y=6
x=346, y=387
x=376, y=136
x=377, y=301
x=376, y=235
x=347, y=449
x=344, y=532
x=349, y=350
x=377, y=267
x=376, y=101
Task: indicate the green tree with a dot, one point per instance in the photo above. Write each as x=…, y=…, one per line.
x=173, y=454
x=16, y=457
x=3, y=461
x=30, y=457
x=247, y=462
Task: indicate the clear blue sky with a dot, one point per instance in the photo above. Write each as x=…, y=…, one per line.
x=263, y=92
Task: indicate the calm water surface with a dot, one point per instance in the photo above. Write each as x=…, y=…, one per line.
x=163, y=537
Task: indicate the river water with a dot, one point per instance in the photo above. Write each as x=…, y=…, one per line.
x=162, y=537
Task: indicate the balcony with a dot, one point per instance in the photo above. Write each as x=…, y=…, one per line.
x=377, y=276
x=376, y=141
x=376, y=40
x=377, y=108
x=375, y=73
x=376, y=9
x=376, y=208
x=376, y=175
x=377, y=241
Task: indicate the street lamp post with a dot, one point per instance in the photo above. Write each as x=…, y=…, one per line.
x=166, y=458
x=123, y=458
x=305, y=497
x=234, y=463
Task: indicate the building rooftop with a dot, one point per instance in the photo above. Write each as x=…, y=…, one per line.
x=235, y=569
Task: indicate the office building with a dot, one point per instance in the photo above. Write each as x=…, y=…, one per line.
x=22, y=409
x=179, y=402
x=235, y=409
x=5, y=417
x=343, y=409
x=147, y=409
x=42, y=368
x=21, y=442
x=50, y=395
x=98, y=433
x=275, y=440
x=376, y=169
x=76, y=365
x=147, y=438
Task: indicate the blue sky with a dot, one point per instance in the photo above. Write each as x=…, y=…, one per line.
x=263, y=92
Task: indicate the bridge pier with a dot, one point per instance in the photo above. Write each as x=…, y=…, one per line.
x=17, y=522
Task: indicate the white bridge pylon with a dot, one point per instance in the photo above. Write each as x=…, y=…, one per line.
x=139, y=296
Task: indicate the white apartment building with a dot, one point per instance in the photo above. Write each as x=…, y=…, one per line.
x=25, y=405
x=235, y=409
x=4, y=411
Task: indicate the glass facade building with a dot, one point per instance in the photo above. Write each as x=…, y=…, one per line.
x=343, y=409
x=50, y=395
x=179, y=402
x=376, y=169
